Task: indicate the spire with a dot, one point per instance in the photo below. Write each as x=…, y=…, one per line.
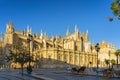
x=52, y=35
x=28, y=30
x=0, y=36
x=86, y=35
x=76, y=29
x=25, y=30
x=86, y=31
x=68, y=32
x=41, y=33
x=56, y=37
x=45, y=34
x=92, y=42
x=9, y=27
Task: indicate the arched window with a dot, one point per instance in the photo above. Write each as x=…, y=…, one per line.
x=65, y=57
x=76, y=59
x=59, y=57
x=71, y=58
x=82, y=44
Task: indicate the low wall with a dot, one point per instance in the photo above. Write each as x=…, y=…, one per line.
x=52, y=66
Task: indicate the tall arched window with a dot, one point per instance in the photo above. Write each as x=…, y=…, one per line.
x=76, y=59
x=71, y=58
x=82, y=44
x=59, y=57
x=65, y=57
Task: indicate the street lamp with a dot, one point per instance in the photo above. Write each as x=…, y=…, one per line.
x=29, y=39
x=97, y=48
x=109, y=58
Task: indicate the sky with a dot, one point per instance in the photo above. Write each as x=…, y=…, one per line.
x=55, y=16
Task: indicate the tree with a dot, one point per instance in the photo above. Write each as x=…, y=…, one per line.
x=19, y=54
x=110, y=19
x=115, y=7
x=107, y=61
x=113, y=62
x=117, y=53
x=2, y=60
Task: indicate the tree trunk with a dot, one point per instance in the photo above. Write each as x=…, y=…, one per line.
x=117, y=61
x=22, y=68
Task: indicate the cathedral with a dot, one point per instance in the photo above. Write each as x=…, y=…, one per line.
x=56, y=52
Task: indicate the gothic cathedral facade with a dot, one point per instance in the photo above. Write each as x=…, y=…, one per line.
x=50, y=52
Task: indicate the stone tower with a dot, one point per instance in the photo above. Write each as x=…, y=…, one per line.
x=8, y=41
x=68, y=32
x=86, y=36
x=76, y=33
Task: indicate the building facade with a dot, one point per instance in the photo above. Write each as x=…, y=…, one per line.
x=50, y=52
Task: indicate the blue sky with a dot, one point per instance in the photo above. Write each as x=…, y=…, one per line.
x=55, y=16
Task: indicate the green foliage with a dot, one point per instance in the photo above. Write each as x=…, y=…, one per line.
x=20, y=57
x=19, y=54
x=110, y=19
x=115, y=7
x=107, y=61
x=2, y=60
x=113, y=61
x=117, y=53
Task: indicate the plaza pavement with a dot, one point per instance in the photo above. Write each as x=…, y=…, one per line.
x=57, y=74
x=42, y=77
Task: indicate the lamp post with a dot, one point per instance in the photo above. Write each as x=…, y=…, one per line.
x=109, y=59
x=97, y=48
x=29, y=39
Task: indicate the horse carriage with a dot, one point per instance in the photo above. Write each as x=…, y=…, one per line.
x=117, y=72
x=108, y=73
x=80, y=70
x=112, y=72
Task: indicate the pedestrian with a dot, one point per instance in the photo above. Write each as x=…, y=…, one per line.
x=29, y=69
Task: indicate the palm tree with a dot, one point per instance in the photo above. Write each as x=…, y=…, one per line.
x=117, y=53
x=112, y=62
x=107, y=61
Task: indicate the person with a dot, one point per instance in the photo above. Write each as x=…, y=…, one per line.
x=29, y=69
x=68, y=68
